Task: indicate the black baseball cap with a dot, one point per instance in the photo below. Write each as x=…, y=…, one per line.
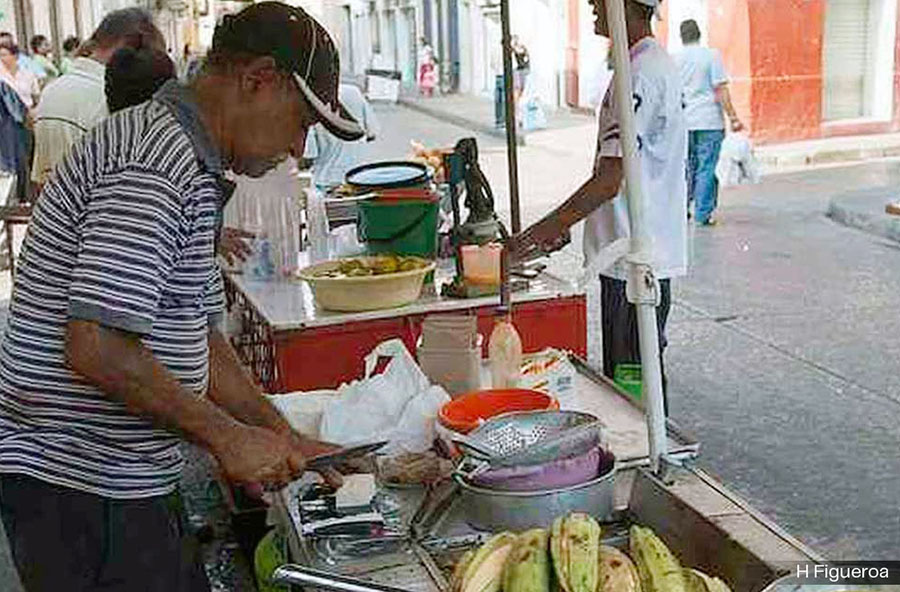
x=300, y=46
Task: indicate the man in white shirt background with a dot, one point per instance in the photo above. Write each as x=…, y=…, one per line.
x=662, y=141
x=706, y=96
x=332, y=157
x=76, y=101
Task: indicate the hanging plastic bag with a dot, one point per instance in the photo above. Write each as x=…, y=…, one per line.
x=737, y=165
x=317, y=225
x=268, y=208
x=378, y=407
x=343, y=241
x=535, y=118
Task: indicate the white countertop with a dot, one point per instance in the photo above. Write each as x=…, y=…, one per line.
x=288, y=304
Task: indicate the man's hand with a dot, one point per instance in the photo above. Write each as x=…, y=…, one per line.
x=304, y=449
x=544, y=237
x=258, y=455
x=736, y=125
x=234, y=246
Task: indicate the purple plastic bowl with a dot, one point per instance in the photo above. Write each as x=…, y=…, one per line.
x=552, y=475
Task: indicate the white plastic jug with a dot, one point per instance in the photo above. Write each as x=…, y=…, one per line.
x=505, y=354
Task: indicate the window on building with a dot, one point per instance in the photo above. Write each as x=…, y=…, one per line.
x=858, y=59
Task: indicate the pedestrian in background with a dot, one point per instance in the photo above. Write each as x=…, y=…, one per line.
x=24, y=81
x=13, y=138
x=70, y=49
x=133, y=75
x=427, y=68
x=332, y=157
x=41, y=53
x=24, y=60
x=523, y=66
x=706, y=101
x=27, y=89
x=77, y=101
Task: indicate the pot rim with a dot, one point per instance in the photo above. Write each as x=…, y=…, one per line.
x=466, y=486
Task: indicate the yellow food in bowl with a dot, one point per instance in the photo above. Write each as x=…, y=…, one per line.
x=372, y=266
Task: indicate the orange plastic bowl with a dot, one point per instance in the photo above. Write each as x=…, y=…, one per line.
x=467, y=412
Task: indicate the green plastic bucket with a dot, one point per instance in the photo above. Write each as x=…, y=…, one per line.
x=628, y=377
x=403, y=227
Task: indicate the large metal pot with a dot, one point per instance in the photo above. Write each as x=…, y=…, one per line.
x=546, y=476
x=494, y=510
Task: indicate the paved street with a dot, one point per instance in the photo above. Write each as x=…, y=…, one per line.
x=784, y=349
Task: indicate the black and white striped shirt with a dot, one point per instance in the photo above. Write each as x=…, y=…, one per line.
x=123, y=235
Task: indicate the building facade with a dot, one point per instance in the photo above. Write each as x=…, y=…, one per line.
x=465, y=36
x=820, y=68
x=182, y=22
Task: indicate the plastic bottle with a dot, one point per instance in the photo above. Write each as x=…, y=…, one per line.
x=505, y=354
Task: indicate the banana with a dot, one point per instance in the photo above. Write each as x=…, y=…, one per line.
x=484, y=573
x=528, y=566
x=658, y=569
x=574, y=549
x=697, y=581
x=617, y=572
x=456, y=580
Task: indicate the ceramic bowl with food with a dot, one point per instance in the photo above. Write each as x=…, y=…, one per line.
x=359, y=284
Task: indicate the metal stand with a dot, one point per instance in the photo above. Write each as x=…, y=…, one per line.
x=511, y=146
x=643, y=286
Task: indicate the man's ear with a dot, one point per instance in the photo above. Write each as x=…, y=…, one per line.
x=258, y=72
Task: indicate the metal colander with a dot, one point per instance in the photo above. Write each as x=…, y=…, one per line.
x=533, y=437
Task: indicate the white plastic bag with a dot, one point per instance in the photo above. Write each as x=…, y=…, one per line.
x=416, y=428
x=379, y=406
x=343, y=242
x=268, y=207
x=737, y=164
x=317, y=225
x=303, y=411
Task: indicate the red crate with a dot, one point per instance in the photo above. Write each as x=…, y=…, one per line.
x=323, y=358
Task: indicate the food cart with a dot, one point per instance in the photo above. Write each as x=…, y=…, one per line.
x=706, y=525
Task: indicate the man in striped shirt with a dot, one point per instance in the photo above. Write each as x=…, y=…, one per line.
x=111, y=354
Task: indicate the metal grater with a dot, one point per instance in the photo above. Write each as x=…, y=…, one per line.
x=532, y=437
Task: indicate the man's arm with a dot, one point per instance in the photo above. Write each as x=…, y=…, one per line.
x=723, y=96
x=551, y=232
x=118, y=363
x=232, y=388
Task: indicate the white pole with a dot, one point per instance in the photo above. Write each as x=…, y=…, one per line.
x=643, y=288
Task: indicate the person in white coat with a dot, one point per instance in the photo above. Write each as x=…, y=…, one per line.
x=601, y=203
x=331, y=156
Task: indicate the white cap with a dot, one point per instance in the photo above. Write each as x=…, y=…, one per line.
x=654, y=4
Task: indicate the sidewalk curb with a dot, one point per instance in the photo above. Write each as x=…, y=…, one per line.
x=825, y=156
x=859, y=209
x=460, y=121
